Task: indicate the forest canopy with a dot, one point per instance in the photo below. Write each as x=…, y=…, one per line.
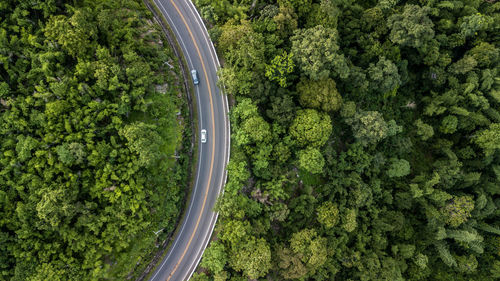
x=88, y=127
x=366, y=140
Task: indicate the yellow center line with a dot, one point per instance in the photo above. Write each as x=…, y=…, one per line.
x=213, y=141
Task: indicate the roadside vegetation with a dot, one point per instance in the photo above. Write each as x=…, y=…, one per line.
x=365, y=140
x=91, y=115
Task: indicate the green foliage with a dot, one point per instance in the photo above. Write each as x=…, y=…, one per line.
x=84, y=137
x=445, y=255
x=306, y=254
x=405, y=185
x=328, y=214
x=489, y=139
x=321, y=94
x=214, y=258
x=200, y=277
x=458, y=210
x=285, y=20
x=467, y=264
x=252, y=257
x=398, y=168
x=280, y=66
x=412, y=27
x=311, y=160
x=349, y=222
x=425, y=131
x=368, y=127
x=472, y=24
x=421, y=260
x=143, y=140
x=384, y=77
x=316, y=51
x=311, y=128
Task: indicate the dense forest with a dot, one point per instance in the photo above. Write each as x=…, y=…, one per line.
x=88, y=126
x=365, y=140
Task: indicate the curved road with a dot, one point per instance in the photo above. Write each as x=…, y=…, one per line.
x=199, y=221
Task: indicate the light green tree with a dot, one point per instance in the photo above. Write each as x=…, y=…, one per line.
x=328, y=214
x=280, y=67
x=489, y=139
x=458, y=210
x=311, y=128
x=411, y=28
x=310, y=248
x=474, y=23
x=398, y=168
x=75, y=34
x=311, y=160
x=214, y=257
x=321, y=94
x=425, y=131
x=251, y=257
x=368, y=127
x=143, y=139
x=286, y=20
x=317, y=52
x=349, y=222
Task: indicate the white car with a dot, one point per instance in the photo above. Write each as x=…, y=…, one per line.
x=203, y=136
x=194, y=74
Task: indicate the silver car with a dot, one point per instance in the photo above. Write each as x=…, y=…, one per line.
x=203, y=136
x=194, y=74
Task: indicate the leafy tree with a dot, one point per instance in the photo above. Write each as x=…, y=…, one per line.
x=398, y=168
x=489, y=139
x=328, y=214
x=349, y=222
x=200, y=277
x=321, y=94
x=425, y=131
x=280, y=66
x=252, y=257
x=286, y=20
x=369, y=127
x=73, y=153
x=474, y=23
x=283, y=110
x=421, y=260
x=467, y=264
x=384, y=77
x=256, y=129
x=311, y=160
x=75, y=34
x=316, y=51
x=311, y=128
x=449, y=124
x=411, y=28
x=143, y=140
x=301, y=6
x=485, y=54
x=232, y=32
x=214, y=258
x=458, y=210
x=306, y=255
x=291, y=266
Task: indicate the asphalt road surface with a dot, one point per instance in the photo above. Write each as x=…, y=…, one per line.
x=199, y=221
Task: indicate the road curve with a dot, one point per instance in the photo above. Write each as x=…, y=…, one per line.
x=199, y=221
